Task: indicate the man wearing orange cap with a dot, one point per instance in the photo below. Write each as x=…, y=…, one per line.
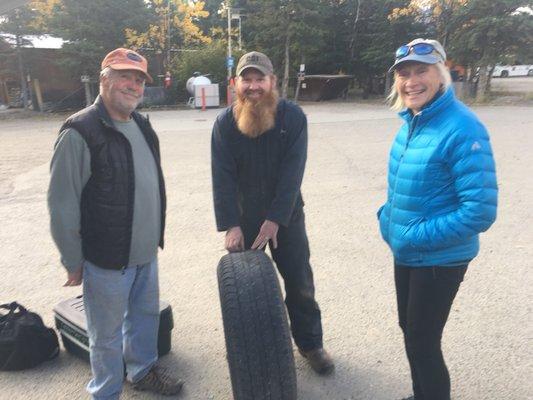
x=107, y=208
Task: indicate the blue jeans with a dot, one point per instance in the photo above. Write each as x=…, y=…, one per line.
x=122, y=309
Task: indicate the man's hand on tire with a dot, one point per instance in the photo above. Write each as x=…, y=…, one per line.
x=268, y=231
x=234, y=239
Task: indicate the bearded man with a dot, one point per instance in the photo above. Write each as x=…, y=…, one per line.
x=258, y=155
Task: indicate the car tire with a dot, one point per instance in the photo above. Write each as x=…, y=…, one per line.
x=530, y=72
x=258, y=341
x=504, y=74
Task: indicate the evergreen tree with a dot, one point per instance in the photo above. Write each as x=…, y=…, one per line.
x=93, y=28
x=485, y=34
x=288, y=31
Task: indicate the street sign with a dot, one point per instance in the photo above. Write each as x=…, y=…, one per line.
x=230, y=61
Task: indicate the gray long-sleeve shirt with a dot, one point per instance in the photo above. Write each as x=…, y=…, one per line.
x=71, y=169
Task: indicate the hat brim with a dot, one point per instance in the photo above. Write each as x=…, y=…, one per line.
x=425, y=59
x=122, y=67
x=260, y=68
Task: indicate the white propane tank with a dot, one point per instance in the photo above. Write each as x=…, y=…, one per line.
x=196, y=80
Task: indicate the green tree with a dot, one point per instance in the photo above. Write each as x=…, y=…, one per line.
x=93, y=28
x=215, y=21
x=19, y=23
x=476, y=33
x=175, y=27
x=330, y=36
x=288, y=31
x=488, y=33
x=379, y=31
x=436, y=15
x=330, y=54
x=209, y=60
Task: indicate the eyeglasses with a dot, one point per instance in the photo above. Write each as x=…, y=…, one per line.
x=420, y=49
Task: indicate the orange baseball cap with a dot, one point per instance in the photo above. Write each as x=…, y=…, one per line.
x=121, y=59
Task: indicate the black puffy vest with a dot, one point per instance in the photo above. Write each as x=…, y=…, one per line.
x=107, y=198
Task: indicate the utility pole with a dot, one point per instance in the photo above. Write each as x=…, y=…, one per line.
x=85, y=79
x=23, y=86
x=228, y=5
x=240, y=34
x=229, y=59
x=236, y=15
x=169, y=24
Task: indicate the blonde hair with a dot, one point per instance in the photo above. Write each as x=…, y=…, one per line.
x=395, y=100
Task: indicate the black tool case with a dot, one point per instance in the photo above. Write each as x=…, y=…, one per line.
x=71, y=323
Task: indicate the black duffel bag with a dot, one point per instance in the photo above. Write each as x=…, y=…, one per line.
x=25, y=341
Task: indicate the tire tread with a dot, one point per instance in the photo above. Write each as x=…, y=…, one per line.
x=258, y=342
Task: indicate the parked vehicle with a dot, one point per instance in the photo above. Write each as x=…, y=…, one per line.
x=504, y=71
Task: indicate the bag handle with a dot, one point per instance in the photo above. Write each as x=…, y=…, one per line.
x=12, y=307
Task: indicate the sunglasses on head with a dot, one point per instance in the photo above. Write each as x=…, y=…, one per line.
x=420, y=49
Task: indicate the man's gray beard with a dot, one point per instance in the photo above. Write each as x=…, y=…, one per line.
x=139, y=101
x=256, y=117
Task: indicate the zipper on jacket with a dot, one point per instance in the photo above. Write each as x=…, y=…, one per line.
x=412, y=127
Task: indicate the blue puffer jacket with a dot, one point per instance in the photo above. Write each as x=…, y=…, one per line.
x=442, y=186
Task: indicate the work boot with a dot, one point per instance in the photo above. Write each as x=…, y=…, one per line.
x=158, y=380
x=320, y=360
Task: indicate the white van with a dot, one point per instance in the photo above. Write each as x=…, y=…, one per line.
x=504, y=71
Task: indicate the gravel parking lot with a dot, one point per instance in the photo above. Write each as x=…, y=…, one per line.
x=513, y=84
x=487, y=341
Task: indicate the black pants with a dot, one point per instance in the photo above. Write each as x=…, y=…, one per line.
x=425, y=296
x=292, y=260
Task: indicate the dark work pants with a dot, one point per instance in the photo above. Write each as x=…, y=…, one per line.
x=292, y=260
x=425, y=296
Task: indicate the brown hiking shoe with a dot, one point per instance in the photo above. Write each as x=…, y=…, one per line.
x=158, y=380
x=320, y=360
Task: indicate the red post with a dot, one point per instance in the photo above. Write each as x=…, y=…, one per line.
x=231, y=86
x=228, y=96
x=203, y=99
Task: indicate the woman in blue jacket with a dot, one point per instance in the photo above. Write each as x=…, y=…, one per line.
x=442, y=193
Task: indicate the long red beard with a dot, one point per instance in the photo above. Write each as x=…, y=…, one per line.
x=255, y=117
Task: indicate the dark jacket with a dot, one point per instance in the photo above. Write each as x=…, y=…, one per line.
x=107, y=198
x=258, y=178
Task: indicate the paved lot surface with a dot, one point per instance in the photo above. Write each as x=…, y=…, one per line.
x=488, y=337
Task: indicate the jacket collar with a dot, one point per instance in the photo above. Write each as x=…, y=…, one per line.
x=103, y=115
x=434, y=107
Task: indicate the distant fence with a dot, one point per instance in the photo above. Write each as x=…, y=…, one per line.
x=154, y=96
